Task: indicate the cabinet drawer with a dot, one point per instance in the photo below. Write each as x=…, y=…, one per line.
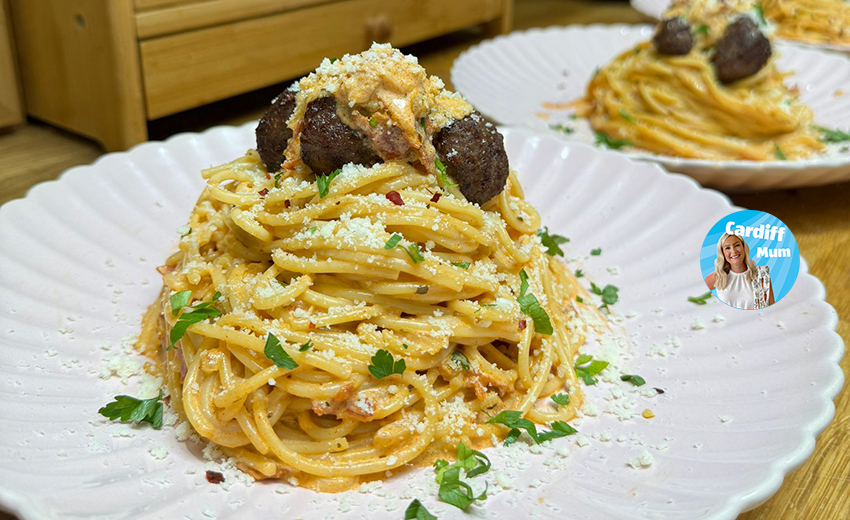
x=197, y=67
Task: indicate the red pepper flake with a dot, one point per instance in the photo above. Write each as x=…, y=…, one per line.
x=436, y=197
x=166, y=399
x=214, y=477
x=395, y=198
x=522, y=325
x=264, y=192
x=311, y=326
x=268, y=176
x=286, y=204
x=660, y=391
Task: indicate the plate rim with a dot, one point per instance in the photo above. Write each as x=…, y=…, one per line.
x=734, y=504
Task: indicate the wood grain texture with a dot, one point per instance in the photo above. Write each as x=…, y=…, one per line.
x=80, y=67
x=186, y=17
x=819, y=218
x=11, y=103
x=194, y=68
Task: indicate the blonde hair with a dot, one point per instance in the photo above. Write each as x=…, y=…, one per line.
x=722, y=267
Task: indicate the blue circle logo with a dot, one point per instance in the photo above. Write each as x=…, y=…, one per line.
x=749, y=259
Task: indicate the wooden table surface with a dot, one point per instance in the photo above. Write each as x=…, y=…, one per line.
x=818, y=217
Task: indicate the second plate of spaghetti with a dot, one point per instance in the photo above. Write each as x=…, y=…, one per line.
x=670, y=109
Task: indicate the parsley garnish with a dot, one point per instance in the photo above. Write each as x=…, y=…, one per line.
x=306, y=346
x=579, y=299
x=416, y=511
x=610, y=142
x=459, y=359
x=442, y=169
x=373, y=122
x=586, y=368
x=608, y=293
x=135, y=410
x=277, y=179
x=626, y=116
x=462, y=265
x=702, y=29
x=579, y=273
x=274, y=351
x=596, y=252
x=551, y=242
x=384, y=365
x=199, y=312
x=562, y=128
x=513, y=420
x=179, y=300
x=323, y=182
x=453, y=490
x=333, y=60
x=832, y=136
x=633, y=379
x=777, y=152
x=412, y=251
x=313, y=229
x=760, y=14
x=393, y=241
x=701, y=299
x=561, y=399
x=529, y=306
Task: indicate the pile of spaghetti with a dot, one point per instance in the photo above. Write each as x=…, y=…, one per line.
x=675, y=104
x=363, y=320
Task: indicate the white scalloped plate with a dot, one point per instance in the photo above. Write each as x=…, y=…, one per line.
x=510, y=78
x=78, y=260
x=655, y=9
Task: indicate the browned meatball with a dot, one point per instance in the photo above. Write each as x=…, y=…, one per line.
x=327, y=143
x=474, y=155
x=674, y=37
x=741, y=52
x=272, y=132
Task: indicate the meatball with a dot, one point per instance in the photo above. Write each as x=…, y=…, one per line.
x=741, y=52
x=272, y=132
x=327, y=143
x=473, y=153
x=674, y=37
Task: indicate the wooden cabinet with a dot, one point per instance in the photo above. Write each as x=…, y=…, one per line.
x=11, y=106
x=103, y=68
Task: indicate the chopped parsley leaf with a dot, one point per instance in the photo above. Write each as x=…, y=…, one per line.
x=413, y=252
x=596, y=252
x=277, y=180
x=702, y=29
x=306, y=346
x=373, y=122
x=416, y=511
x=579, y=299
x=561, y=399
x=626, y=116
x=580, y=273
x=393, y=241
x=456, y=492
x=513, y=420
x=701, y=299
x=559, y=429
x=586, y=368
x=777, y=152
x=562, y=128
x=832, y=136
x=462, y=265
x=529, y=306
x=608, y=293
x=459, y=359
x=179, y=300
x=611, y=142
x=274, y=351
x=384, y=365
x=552, y=242
x=760, y=14
x=130, y=409
x=323, y=182
x=633, y=379
x=198, y=313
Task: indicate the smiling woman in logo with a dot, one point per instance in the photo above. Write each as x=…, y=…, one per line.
x=738, y=280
